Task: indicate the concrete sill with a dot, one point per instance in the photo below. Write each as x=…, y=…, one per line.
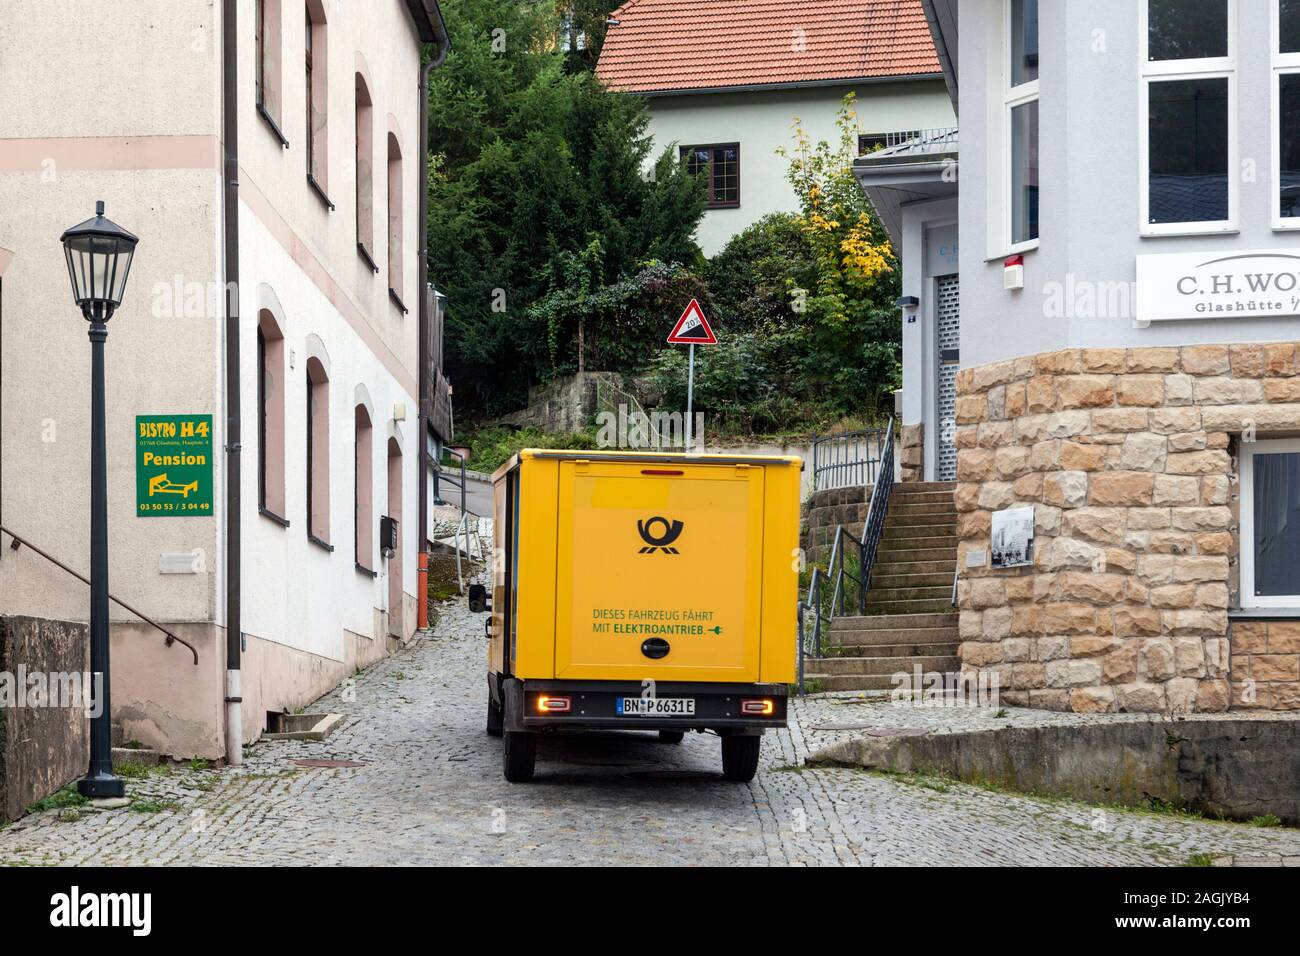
x=270, y=121
x=362, y=569
x=271, y=515
x=306, y=727
x=319, y=191
x=320, y=543
x=1264, y=613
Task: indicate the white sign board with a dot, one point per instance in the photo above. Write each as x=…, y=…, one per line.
x=1012, y=537
x=1216, y=285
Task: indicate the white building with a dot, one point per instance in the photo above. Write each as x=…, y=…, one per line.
x=1126, y=325
x=726, y=80
x=274, y=148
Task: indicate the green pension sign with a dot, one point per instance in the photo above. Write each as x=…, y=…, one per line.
x=173, y=465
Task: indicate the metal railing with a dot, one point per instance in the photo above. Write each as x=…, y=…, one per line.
x=438, y=478
x=852, y=559
x=938, y=139
x=169, y=638
x=847, y=459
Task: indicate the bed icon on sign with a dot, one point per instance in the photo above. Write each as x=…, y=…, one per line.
x=159, y=485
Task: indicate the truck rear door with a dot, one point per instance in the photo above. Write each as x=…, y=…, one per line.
x=659, y=571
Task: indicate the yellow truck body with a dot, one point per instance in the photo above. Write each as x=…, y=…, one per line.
x=627, y=571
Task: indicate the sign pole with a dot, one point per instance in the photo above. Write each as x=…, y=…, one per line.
x=690, y=396
x=691, y=329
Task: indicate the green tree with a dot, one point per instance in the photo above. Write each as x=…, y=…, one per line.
x=537, y=181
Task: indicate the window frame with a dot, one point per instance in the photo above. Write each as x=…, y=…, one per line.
x=684, y=156
x=1200, y=68
x=1246, y=525
x=1014, y=97
x=1280, y=65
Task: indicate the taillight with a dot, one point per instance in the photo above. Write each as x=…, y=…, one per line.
x=758, y=707
x=554, y=704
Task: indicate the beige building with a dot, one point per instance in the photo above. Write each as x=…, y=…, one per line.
x=269, y=149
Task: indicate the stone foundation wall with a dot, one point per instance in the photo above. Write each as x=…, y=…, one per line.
x=1127, y=457
x=826, y=510
x=1265, y=665
x=911, y=458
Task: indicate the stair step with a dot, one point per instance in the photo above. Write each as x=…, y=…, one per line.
x=891, y=564
x=903, y=554
x=946, y=543
x=132, y=755
x=889, y=581
x=921, y=606
x=840, y=666
x=936, y=592
x=899, y=651
x=893, y=622
x=910, y=532
x=863, y=637
x=905, y=506
x=922, y=487
x=922, y=520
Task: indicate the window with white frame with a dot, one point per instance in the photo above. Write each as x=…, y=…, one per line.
x=1188, y=135
x=1020, y=122
x=1285, y=46
x=1270, y=523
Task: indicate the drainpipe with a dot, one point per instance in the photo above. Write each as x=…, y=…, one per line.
x=422, y=419
x=230, y=172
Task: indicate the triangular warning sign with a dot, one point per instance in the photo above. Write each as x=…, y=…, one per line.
x=692, y=328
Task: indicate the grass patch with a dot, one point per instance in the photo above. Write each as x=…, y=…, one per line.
x=492, y=447
x=132, y=770
x=924, y=781
x=69, y=796
x=1266, y=820
x=153, y=806
x=1200, y=859
x=198, y=763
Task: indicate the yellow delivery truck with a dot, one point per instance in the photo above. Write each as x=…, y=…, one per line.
x=637, y=591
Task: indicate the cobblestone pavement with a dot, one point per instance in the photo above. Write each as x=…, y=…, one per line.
x=429, y=790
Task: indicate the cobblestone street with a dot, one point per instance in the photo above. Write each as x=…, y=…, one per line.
x=429, y=790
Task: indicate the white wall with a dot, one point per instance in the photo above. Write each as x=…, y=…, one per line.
x=763, y=121
x=295, y=592
x=1090, y=171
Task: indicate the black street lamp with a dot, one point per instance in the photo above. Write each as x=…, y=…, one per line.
x=99, y=255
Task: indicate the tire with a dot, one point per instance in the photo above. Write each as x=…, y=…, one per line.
x=740, y=757
x=671, y=736
x=519, y=756
x=495, y=721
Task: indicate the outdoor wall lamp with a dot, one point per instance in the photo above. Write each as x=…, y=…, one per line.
x=99, y=254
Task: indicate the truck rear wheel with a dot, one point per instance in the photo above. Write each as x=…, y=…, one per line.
x=495, y=722
x=519, y=756
x=740, y=757
x=671, y=736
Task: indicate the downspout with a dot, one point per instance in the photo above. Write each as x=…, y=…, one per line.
x=426, y=398
x=230, y=170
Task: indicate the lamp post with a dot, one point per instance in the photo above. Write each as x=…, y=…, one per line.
x=99, y=255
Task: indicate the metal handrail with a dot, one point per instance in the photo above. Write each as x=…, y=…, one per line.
x=170, y=638
x=874, y=526
x=437, y=475
x=846, y=459
x=837, y=570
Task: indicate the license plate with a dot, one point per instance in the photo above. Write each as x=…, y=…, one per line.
x=656, y=706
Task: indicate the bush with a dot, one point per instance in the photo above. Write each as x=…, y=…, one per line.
x=492, y=447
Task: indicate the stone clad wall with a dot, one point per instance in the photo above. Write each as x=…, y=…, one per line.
x=1127, y=457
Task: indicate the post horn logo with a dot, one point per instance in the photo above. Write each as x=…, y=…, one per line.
x=663, y=540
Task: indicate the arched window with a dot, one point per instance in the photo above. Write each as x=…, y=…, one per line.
x=318, y=453
x=267, y=26
x=270, y=420
x=395, y=260
x=365, y=159
x=364, y=472
x=317, y=86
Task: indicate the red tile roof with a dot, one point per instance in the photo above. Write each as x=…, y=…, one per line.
x=666, y=45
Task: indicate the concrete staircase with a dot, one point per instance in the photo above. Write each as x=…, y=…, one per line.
x=910, y=620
